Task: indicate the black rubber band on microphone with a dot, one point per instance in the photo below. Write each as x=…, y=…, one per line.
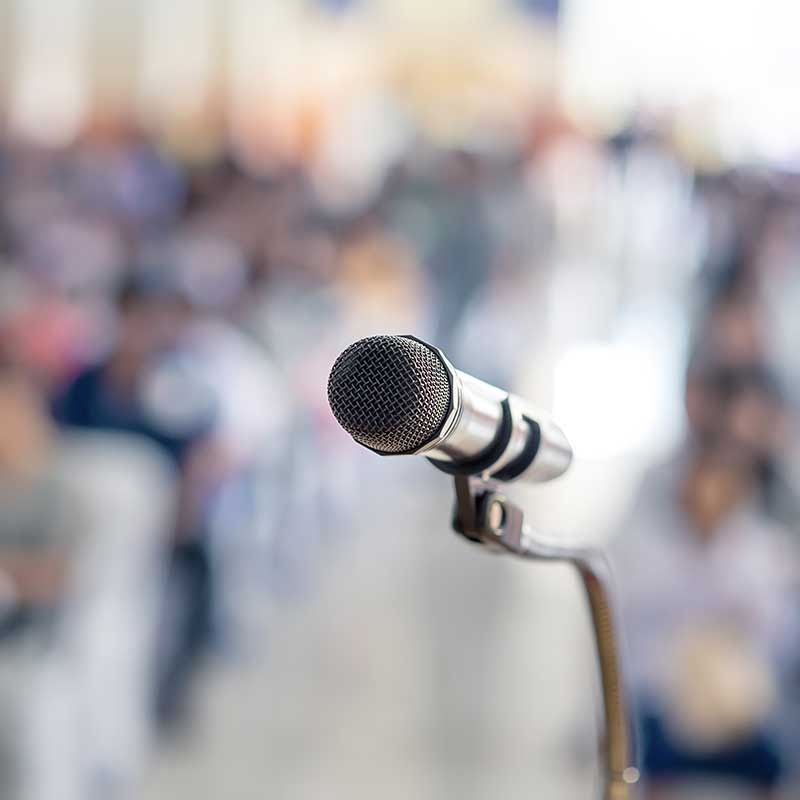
x=487, y=457
x=516, y=467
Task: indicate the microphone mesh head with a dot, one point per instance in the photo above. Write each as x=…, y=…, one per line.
x=390, y=393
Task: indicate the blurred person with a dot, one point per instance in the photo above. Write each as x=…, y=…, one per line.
x=707, y=598
x=734, y=391
x=511, y=311
x=703, y=398
x=116, y=168
x=775, y=279
x=742, y=407
x=757, y=423
x=185, y=377
x=501, y=315
x=241, y=472
x=80, y=254
x=44, y=330
x=110, y=395
x=129, y=393
x=659, y=232
x=379, y=284
x=81, y=577
x=461, y=256
x=322, y=287
x=292, y=302
x=734, y=330
x=570, y=174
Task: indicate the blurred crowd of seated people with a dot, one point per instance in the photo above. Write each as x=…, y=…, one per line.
x=708, y=563
x=166, y=328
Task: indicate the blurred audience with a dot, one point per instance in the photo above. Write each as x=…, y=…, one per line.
x=195, y=308
x=708, y=571
x=81, y=559
x=709, y=607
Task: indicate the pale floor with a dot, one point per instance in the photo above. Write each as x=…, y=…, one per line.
x=422, y=667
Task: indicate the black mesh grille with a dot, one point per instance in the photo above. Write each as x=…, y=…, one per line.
x=389, y=393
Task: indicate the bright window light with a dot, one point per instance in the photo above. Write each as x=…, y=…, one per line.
x=614, y=399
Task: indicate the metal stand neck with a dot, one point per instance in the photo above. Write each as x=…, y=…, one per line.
x=487, y=517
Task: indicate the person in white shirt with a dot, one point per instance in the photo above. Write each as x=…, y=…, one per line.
x=706, y=587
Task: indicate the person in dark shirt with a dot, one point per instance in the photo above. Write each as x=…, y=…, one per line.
x=139, y=389
x=109, y=396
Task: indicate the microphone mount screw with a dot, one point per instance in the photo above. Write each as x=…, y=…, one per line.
x=496, y=515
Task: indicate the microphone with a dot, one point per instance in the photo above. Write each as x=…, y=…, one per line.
x=398, y=395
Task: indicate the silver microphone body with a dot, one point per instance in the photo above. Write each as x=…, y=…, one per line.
x=477, y=418
x=398, y=395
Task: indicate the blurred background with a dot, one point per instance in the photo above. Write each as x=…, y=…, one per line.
x=206, y=589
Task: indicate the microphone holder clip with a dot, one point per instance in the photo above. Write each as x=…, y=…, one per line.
x=484, y=515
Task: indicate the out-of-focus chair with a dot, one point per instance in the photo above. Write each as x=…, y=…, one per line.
x=76, y=671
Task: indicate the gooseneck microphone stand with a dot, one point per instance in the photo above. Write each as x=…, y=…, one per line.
x=398, y=395
x=486, y=516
